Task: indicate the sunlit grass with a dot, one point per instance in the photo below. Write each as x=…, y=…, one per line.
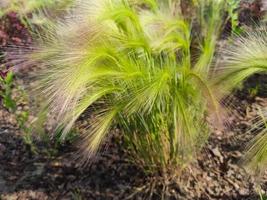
x=132, y=64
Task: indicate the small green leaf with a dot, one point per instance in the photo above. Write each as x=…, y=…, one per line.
x=9, y=78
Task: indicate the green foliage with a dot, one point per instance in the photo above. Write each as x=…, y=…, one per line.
x=76, y=194
x=263, y=197
x=72, y=135
x=8, y=86
x=210, y=16
x=232, y=8
x=253, y=92
x=131, y=64
x=34, y=12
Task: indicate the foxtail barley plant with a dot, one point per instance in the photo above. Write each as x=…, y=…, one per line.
x=131, y=63
x=244, y=56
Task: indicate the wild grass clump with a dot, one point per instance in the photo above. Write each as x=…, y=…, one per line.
x=137, y=66
x=245, y=56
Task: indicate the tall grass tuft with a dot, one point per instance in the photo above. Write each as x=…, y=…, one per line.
x=244, y=56
x=137, y=66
